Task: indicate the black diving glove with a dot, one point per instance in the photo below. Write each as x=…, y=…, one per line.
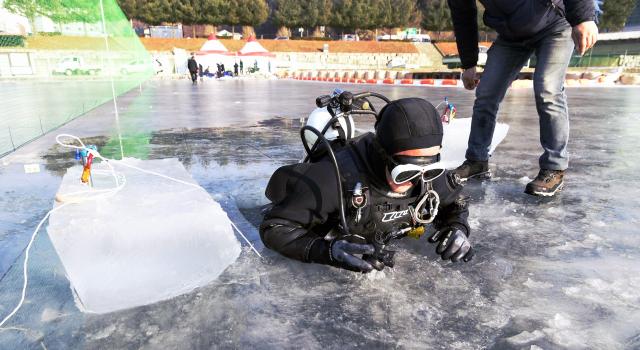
x=454, y=244
x=342, y=255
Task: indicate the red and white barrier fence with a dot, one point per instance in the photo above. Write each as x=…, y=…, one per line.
x=453, y=82
x=388, y=81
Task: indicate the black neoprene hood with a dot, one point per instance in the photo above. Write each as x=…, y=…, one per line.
x=408, y=123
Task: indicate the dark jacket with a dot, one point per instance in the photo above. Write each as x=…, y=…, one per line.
x=192, y=65
x=514, y=20
x=305, y=203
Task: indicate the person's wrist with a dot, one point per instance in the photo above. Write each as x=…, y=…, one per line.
x=320, y=252
x=585, y=22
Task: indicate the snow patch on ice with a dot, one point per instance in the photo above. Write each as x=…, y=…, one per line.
x=524, y=180
x=559, y=321
x=537, y=285
x=49, y=315
x=525, y=337
x=625, y=291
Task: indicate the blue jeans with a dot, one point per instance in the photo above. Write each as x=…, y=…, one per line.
x=504, y=62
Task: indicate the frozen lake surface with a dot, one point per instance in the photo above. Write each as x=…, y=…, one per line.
x=550, y=273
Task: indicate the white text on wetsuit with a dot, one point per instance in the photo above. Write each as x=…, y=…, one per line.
x=394, y=215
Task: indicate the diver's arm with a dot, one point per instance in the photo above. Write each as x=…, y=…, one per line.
x=294, y=241
x=302, y=202
x=452, y=231
x=297, y=243
x=464, y=15
x=453, y=210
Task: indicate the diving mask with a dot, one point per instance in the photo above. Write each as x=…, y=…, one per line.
x=407, y=168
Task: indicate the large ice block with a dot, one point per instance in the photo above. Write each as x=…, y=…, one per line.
x=153, y=240
x=456, y=136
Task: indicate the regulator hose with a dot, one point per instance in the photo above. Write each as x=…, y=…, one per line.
x=343, y=218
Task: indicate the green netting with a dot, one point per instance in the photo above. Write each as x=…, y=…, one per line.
x=50, y=78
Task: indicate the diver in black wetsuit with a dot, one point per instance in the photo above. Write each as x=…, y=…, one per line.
x=393, y=186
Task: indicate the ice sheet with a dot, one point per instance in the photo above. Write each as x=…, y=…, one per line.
x=550, y=273
x=152, y=241
x=456, y=135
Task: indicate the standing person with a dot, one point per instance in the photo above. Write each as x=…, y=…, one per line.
x=192, y=66
x=235, y=69
x=241, y=67
x=200, y=72
x=524, y=27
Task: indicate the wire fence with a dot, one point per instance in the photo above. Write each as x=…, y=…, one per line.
x=49, y=80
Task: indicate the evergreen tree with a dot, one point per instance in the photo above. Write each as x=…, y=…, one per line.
x=231, y=13
x=435, y=15
x=615, y=14
x=369, y=12
x=188, y=12
x=385, y=11
x=343, y=15
x=404, y=12
x=155, y=12
x=211, y=12
x=288, y=14
x=252, y=12
x=130, y=8
x=316, y=12
x=323, y=8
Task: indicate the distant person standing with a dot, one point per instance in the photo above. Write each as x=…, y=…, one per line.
x=241, y=67
x=200, y=72
x=235, y=69
x=192, y=66
x=547, y=29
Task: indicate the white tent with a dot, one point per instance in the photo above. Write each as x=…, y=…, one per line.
x=252, y=53
x=213, y=52
x=213, y=45
x=227, y=34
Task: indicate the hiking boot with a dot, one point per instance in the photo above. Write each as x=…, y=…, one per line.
x=547, y=183
x=471, y=169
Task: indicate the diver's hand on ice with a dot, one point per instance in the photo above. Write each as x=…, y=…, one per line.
x=342, y=254
x=469, y=78
x=454, y=244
